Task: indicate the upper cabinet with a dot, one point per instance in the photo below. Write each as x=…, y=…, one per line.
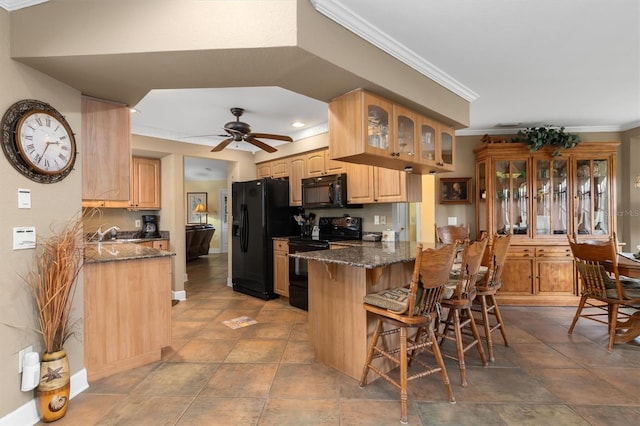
x=367, y=129
x=318, y=163
x=106, y=150
x=145, y=184
x=371, y=184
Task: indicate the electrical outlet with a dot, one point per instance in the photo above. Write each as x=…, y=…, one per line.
x=138, y=224
x=376, y=220
x=21, y=357
x=383, y=220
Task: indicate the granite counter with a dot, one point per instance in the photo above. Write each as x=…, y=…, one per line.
x=110, y=251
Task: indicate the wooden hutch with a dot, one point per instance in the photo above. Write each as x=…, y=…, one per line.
x=540, y=199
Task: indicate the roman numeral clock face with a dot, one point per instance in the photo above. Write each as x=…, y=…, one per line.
x=41, y=145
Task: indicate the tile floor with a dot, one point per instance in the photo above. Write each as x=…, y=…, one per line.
x=265, y=374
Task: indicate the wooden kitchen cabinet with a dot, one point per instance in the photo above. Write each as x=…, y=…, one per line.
x=156, y=244
x=263, y=169
x=297, y=167
x=145, y=184
x=319, y=163
x=274, y=169
x=369, y=184
x=367, y=129
x=540, y=199
x=127, y=314
x=281, y=267
x=106, y=150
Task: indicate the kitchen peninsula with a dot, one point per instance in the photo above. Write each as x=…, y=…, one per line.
x=127, y=306
x=339, y=327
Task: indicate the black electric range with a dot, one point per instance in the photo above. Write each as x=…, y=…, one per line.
x=330, y=229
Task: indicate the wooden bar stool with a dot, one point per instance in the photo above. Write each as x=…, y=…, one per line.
x=486, y=288
x=450, y=233
x=417, y=307
x=458, y=300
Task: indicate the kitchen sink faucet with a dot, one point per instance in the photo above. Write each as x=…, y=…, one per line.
x=112, y=231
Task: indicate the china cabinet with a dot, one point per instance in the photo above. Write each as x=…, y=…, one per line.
x=540, y=198
x=368, y=129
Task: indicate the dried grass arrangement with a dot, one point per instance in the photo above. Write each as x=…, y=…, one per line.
x=52, y=281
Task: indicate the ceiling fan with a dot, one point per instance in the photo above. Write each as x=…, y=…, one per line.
x=238, y=131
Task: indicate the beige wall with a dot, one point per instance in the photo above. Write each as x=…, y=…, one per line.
x=212, y=188
x=51, y=204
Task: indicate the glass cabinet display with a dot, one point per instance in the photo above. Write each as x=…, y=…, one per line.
x=511, y=201
x=481, y=196
x=447, y=146
x=405, y=124
x=378, y=126
x=551, y=202
x=591, y=198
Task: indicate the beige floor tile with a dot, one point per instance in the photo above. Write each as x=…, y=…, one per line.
x=147, y=410
x=293, y=412
x=298, y=353
x=302, y=381
x=256, y=350
x=204, y=350
x=535, y=415
x=241, y=380
x=375, y=413
x=223, y=412
x=176, y=379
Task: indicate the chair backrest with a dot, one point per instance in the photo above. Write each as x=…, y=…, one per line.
x=495, y=261
x=472, y=255
x=449, y=234
x=430, y=274
x=590, y=257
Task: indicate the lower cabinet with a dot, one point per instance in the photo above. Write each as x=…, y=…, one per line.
x=539, y=275
x=281, y=267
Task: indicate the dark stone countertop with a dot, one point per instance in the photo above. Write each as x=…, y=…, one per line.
x=366, y=254
x=110, y=251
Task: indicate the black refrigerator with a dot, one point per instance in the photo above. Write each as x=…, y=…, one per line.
x=259, y=211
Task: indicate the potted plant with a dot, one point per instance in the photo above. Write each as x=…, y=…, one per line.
x=539, y=137
x=52, y=281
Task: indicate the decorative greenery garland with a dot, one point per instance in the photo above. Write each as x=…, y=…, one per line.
x=538, y=137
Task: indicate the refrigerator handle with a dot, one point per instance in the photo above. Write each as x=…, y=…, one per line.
x=245, y=230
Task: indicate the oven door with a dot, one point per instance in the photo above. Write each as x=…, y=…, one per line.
x=298, y=273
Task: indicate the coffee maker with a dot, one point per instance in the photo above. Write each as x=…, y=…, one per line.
x=150, y=226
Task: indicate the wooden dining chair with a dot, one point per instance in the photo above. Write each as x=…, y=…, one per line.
x=458, y=301
x=603, y=293
x=416, y=306
x=449, y=233
x=487, y=286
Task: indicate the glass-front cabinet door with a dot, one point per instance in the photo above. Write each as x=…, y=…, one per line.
x=592, y=194
x=379, y=115
x=405, y=142
x=511, y=202
x=551, y=201
x=428, y=144
x=447, y=145
x=481, y=197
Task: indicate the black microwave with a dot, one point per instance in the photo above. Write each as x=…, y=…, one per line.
x=328, y=191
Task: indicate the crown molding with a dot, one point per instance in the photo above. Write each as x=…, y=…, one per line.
x=576, y=129
x=342, y=15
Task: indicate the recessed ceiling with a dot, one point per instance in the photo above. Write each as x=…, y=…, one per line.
x=204, y=169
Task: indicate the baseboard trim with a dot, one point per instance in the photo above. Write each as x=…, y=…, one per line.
x=28, y=413
x=179, y=295
x=229, y=282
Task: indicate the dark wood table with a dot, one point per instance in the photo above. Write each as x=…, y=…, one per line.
x=628, y=267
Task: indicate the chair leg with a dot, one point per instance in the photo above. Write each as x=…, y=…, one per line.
x=498, y=315
x=476, y=336
x=459, y=347
x=613, y=322
x=583, y=300
x=403, y=376
x=443, y=371
x=487, y=326
x=374, y=342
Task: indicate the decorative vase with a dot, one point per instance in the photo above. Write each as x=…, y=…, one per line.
x=53, y=390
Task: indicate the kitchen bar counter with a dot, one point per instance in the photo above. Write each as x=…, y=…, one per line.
x=340, y=329
x=110, y=251
x=364, y=254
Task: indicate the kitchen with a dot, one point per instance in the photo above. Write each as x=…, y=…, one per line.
x=208, y=70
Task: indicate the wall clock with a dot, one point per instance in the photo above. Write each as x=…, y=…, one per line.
x=38, y=141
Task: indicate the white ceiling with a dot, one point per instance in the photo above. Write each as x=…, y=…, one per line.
x=574, y=63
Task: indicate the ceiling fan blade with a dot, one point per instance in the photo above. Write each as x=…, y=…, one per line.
x=261, y=145
x=270, y=136
x=222, y=145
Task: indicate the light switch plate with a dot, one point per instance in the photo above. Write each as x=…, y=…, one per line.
x=452, y=220
x=24, y=237
x=24, y=198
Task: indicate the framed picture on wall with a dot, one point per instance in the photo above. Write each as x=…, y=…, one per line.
x=455, y=190
x=196, y=207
